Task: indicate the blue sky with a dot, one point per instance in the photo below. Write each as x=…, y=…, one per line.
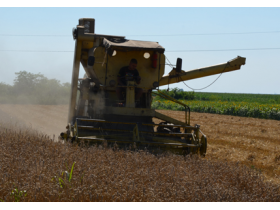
x=261, y=74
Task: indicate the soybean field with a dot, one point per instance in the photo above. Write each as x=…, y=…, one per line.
x=245, y=105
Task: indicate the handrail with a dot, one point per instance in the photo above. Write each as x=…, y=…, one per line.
x=165, y=96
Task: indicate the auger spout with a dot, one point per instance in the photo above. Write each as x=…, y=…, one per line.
x=175, y=77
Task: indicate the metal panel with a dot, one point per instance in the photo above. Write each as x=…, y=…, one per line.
x=130, y=95
x=129, y=111
x=74, y=83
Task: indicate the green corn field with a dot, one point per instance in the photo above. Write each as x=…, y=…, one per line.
x=244, y=109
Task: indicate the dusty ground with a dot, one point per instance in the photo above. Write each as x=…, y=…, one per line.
x=253, y=142
x=48, y=119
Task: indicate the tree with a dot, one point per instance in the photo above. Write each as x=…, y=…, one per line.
x=26, y=82
x=35, y=89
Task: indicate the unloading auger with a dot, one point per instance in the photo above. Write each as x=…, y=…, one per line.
x=96, y=114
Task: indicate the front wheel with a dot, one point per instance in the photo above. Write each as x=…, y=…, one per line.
x=203, y=147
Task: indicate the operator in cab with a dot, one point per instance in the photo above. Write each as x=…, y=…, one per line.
x=129, y=73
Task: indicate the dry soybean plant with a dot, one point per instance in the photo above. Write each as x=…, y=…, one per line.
x=34, y=167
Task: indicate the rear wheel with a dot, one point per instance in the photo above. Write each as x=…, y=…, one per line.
x=203, y=147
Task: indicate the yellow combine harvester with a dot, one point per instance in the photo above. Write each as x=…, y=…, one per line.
x=114, y=105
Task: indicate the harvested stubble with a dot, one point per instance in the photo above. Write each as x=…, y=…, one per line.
x=32, y=161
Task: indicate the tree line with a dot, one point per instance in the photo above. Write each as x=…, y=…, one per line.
x=29, y=88
x=176, y=93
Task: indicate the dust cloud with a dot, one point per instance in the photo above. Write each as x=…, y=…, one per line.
x=99, y=105
x=46, y=119
x=10, y=122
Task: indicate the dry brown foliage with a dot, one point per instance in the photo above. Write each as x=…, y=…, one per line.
x=34, y=162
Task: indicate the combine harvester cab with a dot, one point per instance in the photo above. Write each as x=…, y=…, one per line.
x=97, y=115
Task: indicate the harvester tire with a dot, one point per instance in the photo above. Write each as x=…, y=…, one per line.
x=203, y=147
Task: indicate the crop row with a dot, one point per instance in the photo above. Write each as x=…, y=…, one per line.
x=179, y=94
x=245, y=109
x=36, y=169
